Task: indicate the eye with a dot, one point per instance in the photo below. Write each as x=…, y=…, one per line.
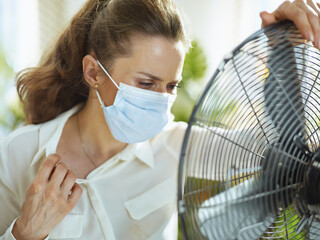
x=173, y=86
x=145, y=84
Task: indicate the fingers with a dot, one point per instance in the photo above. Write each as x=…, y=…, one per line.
x=315, y=6
x=315, y=24
x=47, y=200
x=76, y=192
x=312, y=13
x=315, y=19
x=65, y=181
x=267, y=18
x=68, y=183
x=306, y=16
x=58, y=174
x=295, y=13
x=46, y=167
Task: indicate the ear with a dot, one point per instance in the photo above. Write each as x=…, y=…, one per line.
x=91, y=71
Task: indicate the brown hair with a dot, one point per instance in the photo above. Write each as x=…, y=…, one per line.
x=102, y=26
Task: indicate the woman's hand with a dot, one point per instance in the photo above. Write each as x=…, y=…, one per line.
x=51, y=195
x=304, y=13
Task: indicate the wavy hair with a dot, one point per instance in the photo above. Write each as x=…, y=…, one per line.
x=102, y=26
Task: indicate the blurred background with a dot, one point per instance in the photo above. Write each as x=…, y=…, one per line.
x=28, y=28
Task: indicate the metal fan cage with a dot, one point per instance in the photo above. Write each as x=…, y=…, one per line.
x=230, y=130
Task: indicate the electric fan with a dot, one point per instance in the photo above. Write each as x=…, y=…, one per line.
x=250, y=161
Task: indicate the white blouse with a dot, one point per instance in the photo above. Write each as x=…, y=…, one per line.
x=132, y=196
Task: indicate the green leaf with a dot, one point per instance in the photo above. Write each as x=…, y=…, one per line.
x=5, y=69
x=195, y=64
x=194, y=69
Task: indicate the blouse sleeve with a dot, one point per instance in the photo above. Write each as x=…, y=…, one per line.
x=9, y=207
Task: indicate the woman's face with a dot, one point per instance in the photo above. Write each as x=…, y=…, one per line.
x=154, y=63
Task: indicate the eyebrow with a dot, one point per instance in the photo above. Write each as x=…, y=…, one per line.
x=153, y=77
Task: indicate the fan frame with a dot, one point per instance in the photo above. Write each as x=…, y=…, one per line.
x=225, y=60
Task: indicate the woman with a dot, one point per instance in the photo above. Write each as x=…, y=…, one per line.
x=98, y=160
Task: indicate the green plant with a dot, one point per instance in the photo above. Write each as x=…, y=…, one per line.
x=194, y=69
x=285, y=225
x=11, y=114
x=195, y=66
x=6, y=72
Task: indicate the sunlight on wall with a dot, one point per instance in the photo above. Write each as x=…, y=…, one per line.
x=220, y=25
x=28, y=28
x=19, y=36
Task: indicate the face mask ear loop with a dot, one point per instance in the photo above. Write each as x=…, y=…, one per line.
x=108, y=74
x=102, y=104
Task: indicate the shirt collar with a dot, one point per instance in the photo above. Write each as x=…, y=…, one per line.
x=141, y=151
x=50, y=133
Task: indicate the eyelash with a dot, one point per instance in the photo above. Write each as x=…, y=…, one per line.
x=146, y=84
x=172, y=87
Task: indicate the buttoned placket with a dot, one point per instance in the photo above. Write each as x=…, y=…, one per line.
x=99, y=209
x=119, y=160
x=102, y=216
x=93, y=195
x=140, y=151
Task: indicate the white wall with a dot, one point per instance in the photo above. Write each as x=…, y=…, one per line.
x=220, y=25
x=27, y=27
x=19, y=34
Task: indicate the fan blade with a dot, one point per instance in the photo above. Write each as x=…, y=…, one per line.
x=314, y=228
x=283, y=104
x=282, y=91
x=309, y=215
x=247, y=208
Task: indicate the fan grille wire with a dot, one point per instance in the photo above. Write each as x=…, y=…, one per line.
x=229, y=132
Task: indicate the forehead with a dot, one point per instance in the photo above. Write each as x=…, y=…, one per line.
x=155, y=54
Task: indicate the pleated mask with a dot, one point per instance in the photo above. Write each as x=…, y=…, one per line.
x=136, y=114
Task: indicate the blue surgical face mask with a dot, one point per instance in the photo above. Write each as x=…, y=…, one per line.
x=137, y=114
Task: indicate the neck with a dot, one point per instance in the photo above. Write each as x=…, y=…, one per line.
x=95, y=133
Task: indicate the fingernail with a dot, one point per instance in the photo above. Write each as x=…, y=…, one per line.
x=311, y=37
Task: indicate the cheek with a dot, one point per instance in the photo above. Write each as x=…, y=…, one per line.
x=134, y=82
x=108, y=92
